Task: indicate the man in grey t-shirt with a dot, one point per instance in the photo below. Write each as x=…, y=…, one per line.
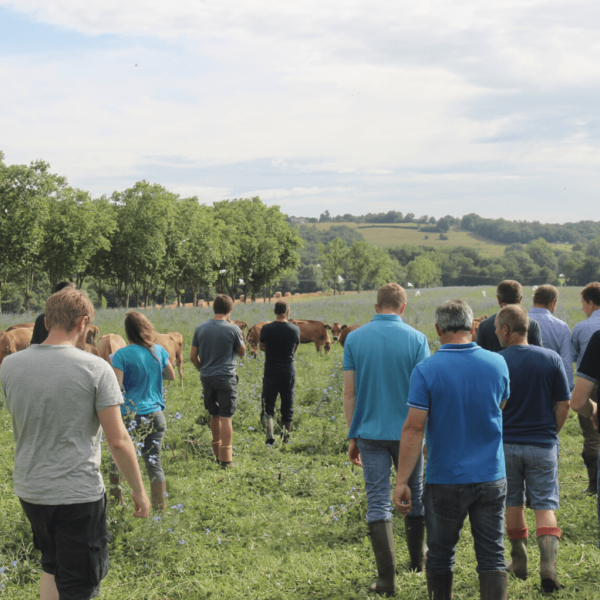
x=61, y=399
x=215, y=347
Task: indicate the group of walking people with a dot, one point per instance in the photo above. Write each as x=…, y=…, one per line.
x=490, y=411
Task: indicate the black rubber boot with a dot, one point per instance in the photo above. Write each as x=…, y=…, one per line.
x=548, y=545
x=493, y=585
x=518, y=554
x=440, y=586
x=382, y=540
x=591, y=464
x=415, y=538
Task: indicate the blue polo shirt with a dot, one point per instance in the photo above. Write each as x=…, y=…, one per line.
x=462, y=387
x=383, y=353
x=142, y=377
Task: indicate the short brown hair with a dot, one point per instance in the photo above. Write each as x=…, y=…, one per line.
x=281, y=307
x=66, y=307
x=591, y=293
x=222, y=305
x=545, y=295
x=509, y=291
x=391, y=296
x=515, y=317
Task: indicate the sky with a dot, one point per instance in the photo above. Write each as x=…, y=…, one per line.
x=434, y=107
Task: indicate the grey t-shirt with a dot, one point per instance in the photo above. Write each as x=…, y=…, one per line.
x=217, y=342
x=53, y=393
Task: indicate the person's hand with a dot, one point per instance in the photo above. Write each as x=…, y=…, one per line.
x=354, y=453
x=594, y=416
x=142, y=504
x=402, y=499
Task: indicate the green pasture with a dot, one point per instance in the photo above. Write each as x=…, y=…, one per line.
x=289, y=522
x=398, y=234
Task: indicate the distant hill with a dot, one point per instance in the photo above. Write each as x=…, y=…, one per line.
x=399, y=234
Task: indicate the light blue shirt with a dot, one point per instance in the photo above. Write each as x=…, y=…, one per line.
x=556, y=335
x=383, y=354
x=582, y=332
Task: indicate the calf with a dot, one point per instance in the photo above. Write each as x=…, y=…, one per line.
x=254, y=337
x=173, y=344
x=336, y=330
x=14, y=341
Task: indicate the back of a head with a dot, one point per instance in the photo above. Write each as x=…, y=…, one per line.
x=222, y=305
x=509, y=291
x=139, y=330
x=516, y=317
x=65, y=308
x=281, y=307
x=544, y=295
x=391, y=296
x=454, y=315
x=591, y=293
x=61, y=285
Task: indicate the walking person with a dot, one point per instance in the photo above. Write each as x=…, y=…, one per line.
x=62, y=400
x=215, y=347
x=457, y=396
x=140, y=369
x=535, y=413
x=508, y=292
x=279, y=341
x=582, y=332
x=378, y=361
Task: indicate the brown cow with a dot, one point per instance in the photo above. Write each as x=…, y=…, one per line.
x=336, y=330
x=345, y=331
x=20, y=326
x=243, y=326
x=91, y=349
x=476, y=324
x=14, y=341
x=92, y=335
x=173, y=344
x=254, y=337
x=314, y=331
x=108, y=344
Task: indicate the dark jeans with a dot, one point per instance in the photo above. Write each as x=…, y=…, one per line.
x=285, y=387
x=73, y=541
x=447, y=506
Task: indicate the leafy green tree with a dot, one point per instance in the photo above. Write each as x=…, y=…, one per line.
x=333, y=258
x=423, y=271
x=443, y=225
x=542, y=254
x=360, y=262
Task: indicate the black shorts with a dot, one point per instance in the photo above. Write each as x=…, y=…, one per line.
x=73, y=541
x=220, y=395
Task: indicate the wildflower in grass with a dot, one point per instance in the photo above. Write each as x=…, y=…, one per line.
x=207, y=531
x=177, y=415
x=219, y=540
x=15, y=562
x=139, y=453
x=346, y=463
x=157, y=518
x=182, y=541
x=146, y=566
x=170, y=530
x=139, y=444
x=250, y=428
x=333, y=418
x=2, y=569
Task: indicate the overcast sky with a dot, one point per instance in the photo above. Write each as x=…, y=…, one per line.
x=433, y=107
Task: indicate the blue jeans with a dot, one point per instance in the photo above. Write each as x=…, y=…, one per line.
x=377, y=457
x=446, y=507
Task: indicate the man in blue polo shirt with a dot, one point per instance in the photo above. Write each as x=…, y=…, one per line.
x=378, y=361
x=536, y=410
x=458, y=395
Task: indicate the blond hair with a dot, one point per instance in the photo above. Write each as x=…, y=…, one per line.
x=65, y=308
x=391, y=296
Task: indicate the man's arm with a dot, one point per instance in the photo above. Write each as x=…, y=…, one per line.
x=123, y=453
x=411, y=443
x=581, y=401
x=194, y=357
x=561, y=413
x=240, y=350
x=349, y=405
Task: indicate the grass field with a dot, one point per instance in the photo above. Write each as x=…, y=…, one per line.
x=290, y=521
x=390, y=236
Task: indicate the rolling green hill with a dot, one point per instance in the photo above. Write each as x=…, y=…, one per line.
x=398, y=234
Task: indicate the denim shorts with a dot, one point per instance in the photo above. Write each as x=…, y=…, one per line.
x=535, y=467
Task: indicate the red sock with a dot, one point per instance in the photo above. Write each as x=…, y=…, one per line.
x=518, y=534
x=555, y=531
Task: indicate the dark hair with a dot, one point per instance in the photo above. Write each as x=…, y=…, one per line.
x=515, y=317
x=140, y=331
x=545, y=295
x=391, y=296
x=222, y=305
x=61, y=285
x=281, y=307
x=591, y=293
x=509, y=291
